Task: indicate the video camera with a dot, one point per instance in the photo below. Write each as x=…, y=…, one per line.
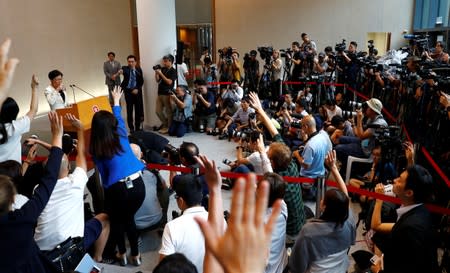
x=341, y=47
x=266, y=53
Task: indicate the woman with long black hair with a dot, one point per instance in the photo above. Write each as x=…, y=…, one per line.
x=120, y=171
x=12, y=128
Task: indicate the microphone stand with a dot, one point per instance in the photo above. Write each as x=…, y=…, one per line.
x=73, y=93
x=79, y=88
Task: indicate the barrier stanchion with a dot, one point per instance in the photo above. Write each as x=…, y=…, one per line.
x=320, y=193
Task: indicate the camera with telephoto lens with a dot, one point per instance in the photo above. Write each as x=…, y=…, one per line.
x=348, y=114
x=355, y=104
x=252, y=115
x=286, y=53
x=172, y=153
x=156, y=67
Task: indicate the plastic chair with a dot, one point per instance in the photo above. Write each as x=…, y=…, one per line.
x=352, y=159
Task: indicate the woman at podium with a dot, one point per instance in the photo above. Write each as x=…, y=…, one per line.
x=55, y=93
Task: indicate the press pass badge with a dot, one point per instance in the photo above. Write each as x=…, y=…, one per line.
x=129, y=183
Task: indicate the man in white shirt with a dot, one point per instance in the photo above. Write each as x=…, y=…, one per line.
x=182, y=73
x=183, y=234
x=63, y=216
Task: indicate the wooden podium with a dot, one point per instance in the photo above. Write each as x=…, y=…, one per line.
x=84, y=111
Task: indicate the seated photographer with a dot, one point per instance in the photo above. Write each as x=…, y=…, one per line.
x=364, y=140
x=412, y=244
x=381, y=172
x=288, y=105
x=332, y=110
x=185, y=156
x=339, y=127
x=291, y=121
x=234, y=93
x=253, y=162
x=183, y=112
x=280, y=157
x=205, y=107
x=240, y=119
x=311, y=159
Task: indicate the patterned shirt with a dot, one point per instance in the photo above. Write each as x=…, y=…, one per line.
x=292, y=197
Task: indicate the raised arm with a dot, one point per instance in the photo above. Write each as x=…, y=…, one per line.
x=215, y=212
x=33, y=208
x=7, y=68
x=376, y=223
x=81, y=153
x=255, y=103
x=34, y=98
x=330, y=161
x=117, y=94
x=239, y=250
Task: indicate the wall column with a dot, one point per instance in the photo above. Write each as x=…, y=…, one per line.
x=157, y=37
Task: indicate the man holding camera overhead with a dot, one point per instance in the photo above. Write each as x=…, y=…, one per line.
x=165, y=76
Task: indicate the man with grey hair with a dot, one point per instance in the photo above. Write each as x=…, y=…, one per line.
x=150, y=212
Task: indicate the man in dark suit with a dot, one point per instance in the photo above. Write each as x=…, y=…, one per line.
x=411, y=245
x=132, y=87
x=111, y=68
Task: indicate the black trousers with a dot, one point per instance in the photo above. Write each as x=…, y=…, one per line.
x=121, y=204
x=134, y=102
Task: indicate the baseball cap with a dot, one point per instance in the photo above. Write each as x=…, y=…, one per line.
x=375, y=105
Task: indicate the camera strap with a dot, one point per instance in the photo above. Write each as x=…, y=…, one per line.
x=311, y=136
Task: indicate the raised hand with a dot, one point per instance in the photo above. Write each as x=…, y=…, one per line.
x=117, y=94
x=255, y=103
x=34, y=82
x=56, y=125
x=212, y=174
x=74, y=121
x=240, y=249
x=7, y=68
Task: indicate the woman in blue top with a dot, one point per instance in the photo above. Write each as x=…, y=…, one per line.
x=121, y=177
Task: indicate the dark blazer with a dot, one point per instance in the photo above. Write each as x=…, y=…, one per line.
x=412, y=246
x=126, y=77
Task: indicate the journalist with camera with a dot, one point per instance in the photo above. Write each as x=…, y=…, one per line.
x=232, y=95
x=205, y=107
x=240, y=120
x=251, y=69
x=183, y=111
x=347, y=63
x=165, y=76
x=297, y=71
x=363, y=142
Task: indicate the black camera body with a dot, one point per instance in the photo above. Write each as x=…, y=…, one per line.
x=225, y=54
x=266, y=53
x=172, y=153
x=341, y=46
x=156, y=67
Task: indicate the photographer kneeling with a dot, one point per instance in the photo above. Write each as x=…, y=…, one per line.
x=205, y=107
x=183, y=111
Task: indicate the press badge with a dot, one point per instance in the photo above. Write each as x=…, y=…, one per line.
x=129, y=183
